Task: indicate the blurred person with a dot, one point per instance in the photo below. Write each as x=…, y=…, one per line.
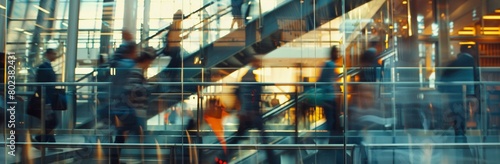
x=462, y=69
x=214, y=113
x=236, y=6
x=122, y=62
x=45, y=73
x=130, y=112
x=328, y=104
x=250, y=115
x=370, y=68
x=173, y=46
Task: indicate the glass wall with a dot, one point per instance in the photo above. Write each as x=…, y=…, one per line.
x=278, y=81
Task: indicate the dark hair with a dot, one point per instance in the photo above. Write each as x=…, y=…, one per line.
x=49, y=51
x=369, y=56
x=334, y=53
x=148, y=53
x=468, y=48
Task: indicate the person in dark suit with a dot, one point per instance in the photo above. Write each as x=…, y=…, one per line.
x=462, y=69
x=45, y=73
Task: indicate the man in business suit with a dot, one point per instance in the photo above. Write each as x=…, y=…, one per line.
x=45, y=73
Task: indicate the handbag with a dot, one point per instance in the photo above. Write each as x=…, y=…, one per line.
x=214, y=108
x=59, y=101
x=34, y=106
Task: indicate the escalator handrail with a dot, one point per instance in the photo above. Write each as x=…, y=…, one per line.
x=154, y=35
x=277, y=110
x=168, y=27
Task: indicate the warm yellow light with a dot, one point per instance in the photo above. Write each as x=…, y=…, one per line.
x=405, y=27
x=465, y=32
x=497, y=11
x=467, y=43
x=405, y=2
x=491, y=28
x=469, y=28
x=491, y=32
x=491, y=17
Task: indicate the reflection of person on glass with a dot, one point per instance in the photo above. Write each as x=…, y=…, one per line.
x=45, y=73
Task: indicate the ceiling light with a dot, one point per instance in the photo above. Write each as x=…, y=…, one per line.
x=491, y=32
x=2, y=7
x=27, y=33
x=497, y=10
x=467, y=43
x=469, y=28
x=19, y=29
x=405, y=2
x=491, y=28
x=41, y=9
x=491, y=17
x=466, y=33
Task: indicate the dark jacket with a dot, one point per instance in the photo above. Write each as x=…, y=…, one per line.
x=250, y=94
x=328, y=75
x=45, y=73
x=462, y=69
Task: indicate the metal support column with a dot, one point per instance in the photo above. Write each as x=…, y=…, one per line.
x=441, y=18
x=130, y=16
x=145, y=22
x=71, y=46
x=108, y=8
x=35, y=39
x=52, y=14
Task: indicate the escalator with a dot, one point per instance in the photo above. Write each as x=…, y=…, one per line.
x=302, y=137
x=235, y=50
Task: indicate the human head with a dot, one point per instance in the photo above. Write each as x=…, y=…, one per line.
x=127, y=50
x=178, y=15
x=334, y=53
x=368, y=57
x=256, y=62
x=470, y=49
x=50, y=54
x=146, y=57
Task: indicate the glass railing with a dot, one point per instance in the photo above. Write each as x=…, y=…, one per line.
x=405, y=115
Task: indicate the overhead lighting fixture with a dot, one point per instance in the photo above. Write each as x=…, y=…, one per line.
x=2, y=7
x=497, y=10
x=491, y=32
x=491, y=17
x=491, y=28
x=405, y=2
x=27, y=33
x=469, y=28
x=41, y=9
x=466, y=33
x=65, y=24
x=19, y=29
x=467, y=43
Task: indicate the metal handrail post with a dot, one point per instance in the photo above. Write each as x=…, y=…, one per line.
x=42, y=118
